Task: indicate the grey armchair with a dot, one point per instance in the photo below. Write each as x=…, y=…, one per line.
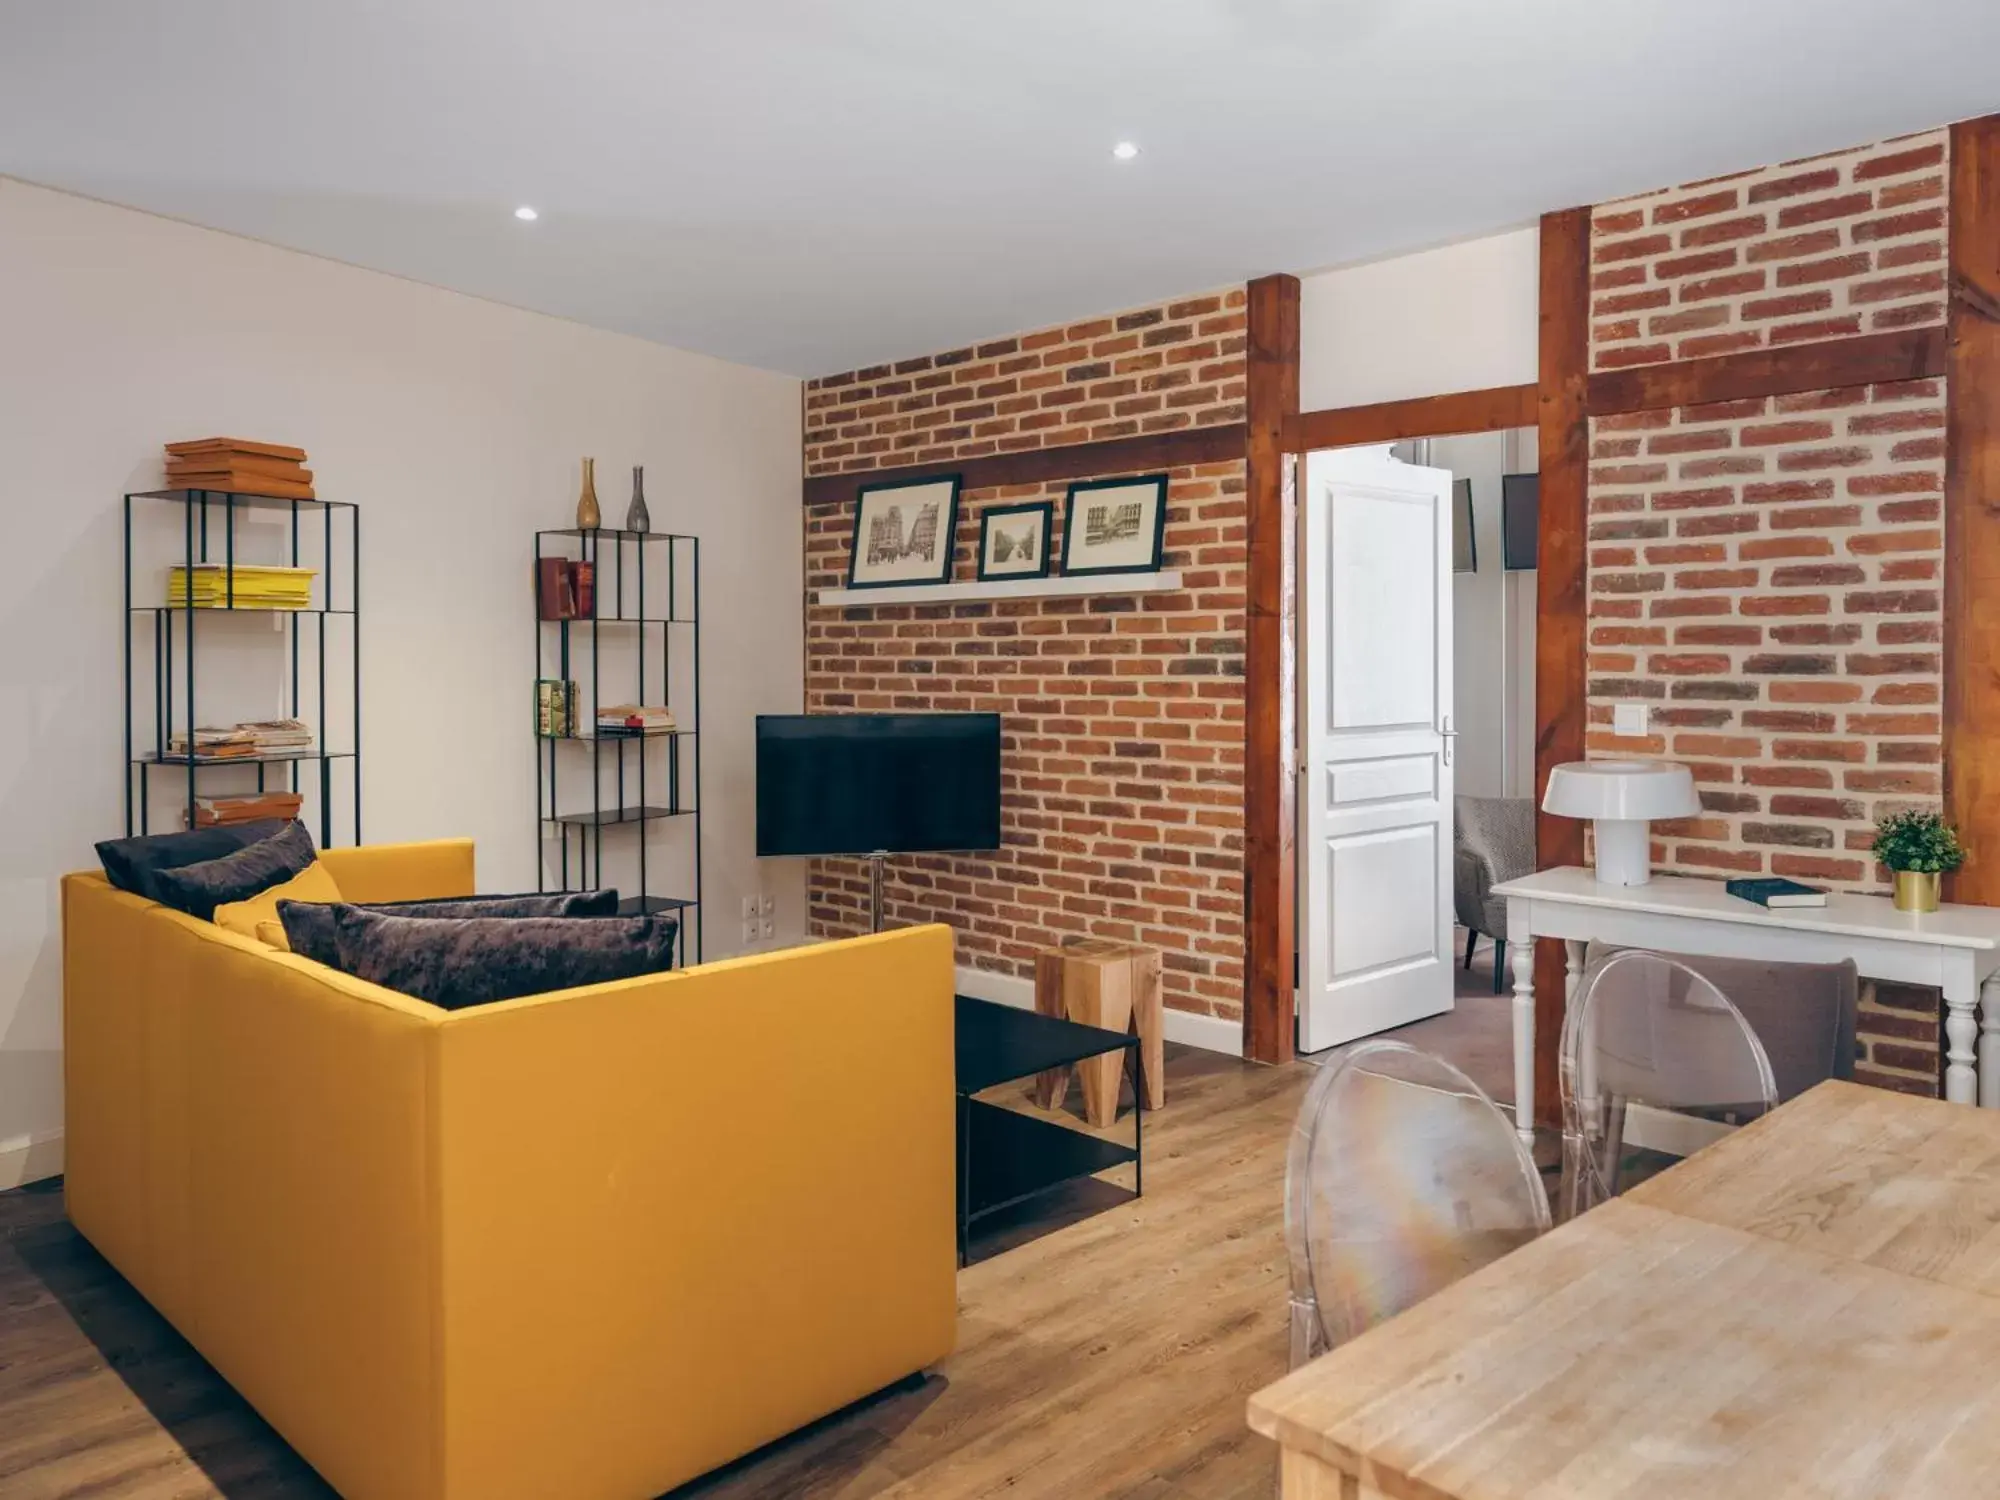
x=1494, y=843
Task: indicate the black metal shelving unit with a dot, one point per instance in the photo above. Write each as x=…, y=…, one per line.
x=211, y=528
x=650, y=783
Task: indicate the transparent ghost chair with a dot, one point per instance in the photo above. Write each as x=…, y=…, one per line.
x=1402, y=1177
x=1648, y=1033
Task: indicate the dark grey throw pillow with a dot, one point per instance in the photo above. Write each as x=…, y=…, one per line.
x=475, y=960
x=199, y=888
x=130, y=864
x=309, y=924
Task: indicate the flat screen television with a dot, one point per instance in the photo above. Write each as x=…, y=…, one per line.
x=868, y=783
x=1520, y=519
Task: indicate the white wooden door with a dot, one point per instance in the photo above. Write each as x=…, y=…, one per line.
x=1375, y=858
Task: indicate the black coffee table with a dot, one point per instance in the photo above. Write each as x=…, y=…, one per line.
x=1005, y=1156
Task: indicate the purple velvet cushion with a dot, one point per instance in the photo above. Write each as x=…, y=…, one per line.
x=131, y=864
x=309, y=930
x=467, y=961
x=199, y=888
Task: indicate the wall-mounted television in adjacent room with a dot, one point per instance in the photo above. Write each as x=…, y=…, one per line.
x=1520, y=519
x=877, y=783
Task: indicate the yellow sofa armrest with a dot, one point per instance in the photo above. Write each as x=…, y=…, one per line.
x=691, y=1212
x=431, y=871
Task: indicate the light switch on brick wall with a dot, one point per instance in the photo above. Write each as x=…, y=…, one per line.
x=1628, y=718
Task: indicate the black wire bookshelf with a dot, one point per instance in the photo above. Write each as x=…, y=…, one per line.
x=644, y=790
x=162, y=640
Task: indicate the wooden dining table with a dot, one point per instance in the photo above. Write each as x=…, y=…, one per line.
x=1807, y=1310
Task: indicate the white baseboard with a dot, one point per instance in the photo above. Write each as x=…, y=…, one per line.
x=30, y=1158
x=1210, y=1033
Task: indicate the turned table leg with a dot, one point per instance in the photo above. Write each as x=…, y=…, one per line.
x=1989, y=1044
x=1961, y=1031
x=1521, y=948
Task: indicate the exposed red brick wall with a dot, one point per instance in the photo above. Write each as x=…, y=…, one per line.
x=1827, y=248
x=1767, y=574
x=1122, y=715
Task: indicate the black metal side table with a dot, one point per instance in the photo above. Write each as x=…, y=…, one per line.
x=1005, y=1156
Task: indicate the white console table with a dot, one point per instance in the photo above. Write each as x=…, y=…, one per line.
x=1956, y=949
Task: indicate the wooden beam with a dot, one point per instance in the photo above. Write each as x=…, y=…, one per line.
x=1833, y=364
x=1271, y=398
x=1491, y=410
x=1145, y=453
x=1972, y=512
x=1560, y=601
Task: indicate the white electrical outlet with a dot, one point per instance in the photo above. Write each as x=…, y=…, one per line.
x=1630, y=719
x=749, y=931
x=767, y=929
x=767, y=904
x=749, y=909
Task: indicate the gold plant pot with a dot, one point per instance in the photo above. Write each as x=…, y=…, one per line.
x=1917, y=890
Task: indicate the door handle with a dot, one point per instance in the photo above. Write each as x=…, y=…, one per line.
x=1447, y=734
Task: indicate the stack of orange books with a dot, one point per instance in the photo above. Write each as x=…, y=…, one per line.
x=240, y=467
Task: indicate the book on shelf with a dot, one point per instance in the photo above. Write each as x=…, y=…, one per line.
x=274, y=735
x=240, y=741
x=1776, y=892
x=565, y=589
x=239, y=466
x=238, y=445
x=246, y=586
x=251, y=807
x=555, y=598
x=555, y=708
x=634, y=719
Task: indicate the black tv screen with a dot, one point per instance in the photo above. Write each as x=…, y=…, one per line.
x=859, y=783
x=1520, y=519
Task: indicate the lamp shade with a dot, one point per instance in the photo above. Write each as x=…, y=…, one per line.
x=1621, y=790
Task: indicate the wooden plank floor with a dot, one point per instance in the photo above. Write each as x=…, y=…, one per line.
x=1107, y=1360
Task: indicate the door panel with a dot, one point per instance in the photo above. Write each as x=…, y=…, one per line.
x=1375, y=855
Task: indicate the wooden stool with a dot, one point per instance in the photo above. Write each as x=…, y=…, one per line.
x=1115, y=986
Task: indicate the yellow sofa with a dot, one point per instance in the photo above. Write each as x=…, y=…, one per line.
x=579, y=1246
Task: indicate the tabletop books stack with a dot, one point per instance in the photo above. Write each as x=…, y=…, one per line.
x=240, y=467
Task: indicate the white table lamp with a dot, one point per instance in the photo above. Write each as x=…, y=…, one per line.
x=1622, y=796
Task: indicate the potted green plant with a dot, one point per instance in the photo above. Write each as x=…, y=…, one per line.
x=1921, y=848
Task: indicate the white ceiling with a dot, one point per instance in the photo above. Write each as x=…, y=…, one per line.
x=811, y=185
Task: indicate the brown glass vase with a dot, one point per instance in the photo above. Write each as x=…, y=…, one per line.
x=588, y=516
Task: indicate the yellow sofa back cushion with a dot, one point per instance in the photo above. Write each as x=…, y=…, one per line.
x=258, y=917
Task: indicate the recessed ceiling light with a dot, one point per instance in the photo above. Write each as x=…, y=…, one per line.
x=526, y=214
x=1125, y=150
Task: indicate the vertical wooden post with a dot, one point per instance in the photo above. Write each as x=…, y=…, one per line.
x=1271, y=395
x=1561, y=607
x=1972, y=511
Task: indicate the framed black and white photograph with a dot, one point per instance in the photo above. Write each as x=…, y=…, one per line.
x=1115, y=525
x=1014, y=541
x=903, y=533
x=1464, y=545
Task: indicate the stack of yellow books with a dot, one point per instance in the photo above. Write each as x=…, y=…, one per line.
x=255, y=587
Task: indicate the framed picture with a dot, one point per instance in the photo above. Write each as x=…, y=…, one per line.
x=1115, y=525
x=903, y=533
x=1464, y=547
x=1520, y=520
x=1014, y=540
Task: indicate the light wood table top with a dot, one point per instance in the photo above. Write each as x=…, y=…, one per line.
x=1808, y=1309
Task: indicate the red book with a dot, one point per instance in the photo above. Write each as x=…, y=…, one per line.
x=553, y=597
x=583, y=577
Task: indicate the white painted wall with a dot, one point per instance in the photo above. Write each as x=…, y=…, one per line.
x=1458, y=318
x=457, y=425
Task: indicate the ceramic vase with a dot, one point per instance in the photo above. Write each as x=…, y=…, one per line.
x=588, y=516
x=637, y=518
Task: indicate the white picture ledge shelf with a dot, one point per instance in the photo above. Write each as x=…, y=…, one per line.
x=1009, y=588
